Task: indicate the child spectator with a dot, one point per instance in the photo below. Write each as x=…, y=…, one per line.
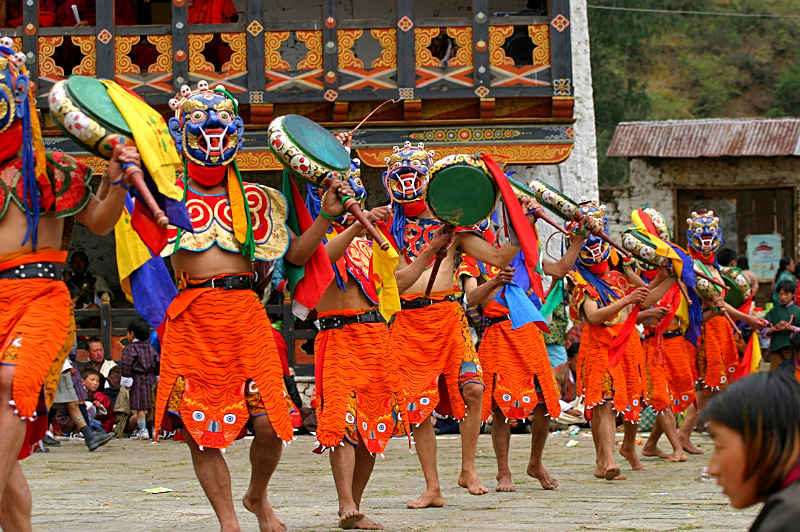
x=113, y=383
x=784, y=319
x=139, y=369
x=104, y=410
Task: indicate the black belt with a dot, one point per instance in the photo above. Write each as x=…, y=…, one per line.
x=337, y=322
x=422, y=302
x=34, y=270
x=228, y=282
x=669, y=334
x=499, y=319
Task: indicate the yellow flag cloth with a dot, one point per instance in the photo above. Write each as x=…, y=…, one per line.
x=152, y=138
x=755, y=359
x=683, y=313
x=384, y=264
x=238, y=212
x=132, y=253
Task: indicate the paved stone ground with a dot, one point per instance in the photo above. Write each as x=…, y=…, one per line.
x=75, y=490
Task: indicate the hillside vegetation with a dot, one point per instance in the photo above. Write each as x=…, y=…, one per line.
x=649, y=66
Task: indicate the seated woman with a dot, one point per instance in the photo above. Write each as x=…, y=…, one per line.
x=755, y=424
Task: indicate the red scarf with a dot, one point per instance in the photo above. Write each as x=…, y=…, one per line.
x=598, y=269
x=792, y=477
x=414, y=208
x=702, y=257
x=208, y=176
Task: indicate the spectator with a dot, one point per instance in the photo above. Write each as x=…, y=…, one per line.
x=113, y=383
x=785, y=273
x=139, y=374
x=103, y=408
x=784, y=322
x=726, y=257
x=755, y=425
x=91, y=287
x=742, y=263
x=97, y=360
x=572, y=408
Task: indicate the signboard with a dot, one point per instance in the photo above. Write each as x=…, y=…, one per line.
x=763, y=253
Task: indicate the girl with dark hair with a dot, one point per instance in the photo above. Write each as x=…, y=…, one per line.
x=755, y=425
x=785, y=273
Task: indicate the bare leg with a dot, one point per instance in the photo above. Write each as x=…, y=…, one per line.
x=343, y=465
x=75, y=415
x=628, y=449
x=265, y=453
x=425, y=443
x=539, y=432
x=686, y=428
x=603, y=429
x=15, y=510
x=214, y=477
x=501, y=437
x=651, y=445
x=365, y=462
x=470, y=430
x=668, y=423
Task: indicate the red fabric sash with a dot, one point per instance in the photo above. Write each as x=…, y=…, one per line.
x=527, y=236
x=414, y=208
x=792, y=477
x=617, y=348
x=598, y=269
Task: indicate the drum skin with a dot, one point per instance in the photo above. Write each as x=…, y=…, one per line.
x=641, y=247
x=738, y=287
x=308, y=149
x=461, y=190
x=81, y=107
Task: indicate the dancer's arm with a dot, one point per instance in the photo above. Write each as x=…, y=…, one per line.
x=482, y=294
x=597, y=315
x=483, y=251
x=408, y=275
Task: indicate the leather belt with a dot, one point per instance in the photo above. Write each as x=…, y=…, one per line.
x=668, y=334
x=499, y=319
x=337, y=322
x=228, y=282
x=422, y=302
x=35, y=270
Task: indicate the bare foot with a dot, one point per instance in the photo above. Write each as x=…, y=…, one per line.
x=677, y=456
x=429, y=499
x=613, y=473
x=540, y=473
x=267, y=520
x=653, y=450
x=471, y=482
x=367, y=524
x=689, y=447
x=504, y=482
x=632, y=458
x=348, y=517
x=600, y=472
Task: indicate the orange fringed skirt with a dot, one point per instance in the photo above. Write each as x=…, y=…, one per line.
x=37, y=332
x=670, y=383
x=624, y=383
x=717, y=356
x=514, y=361
x=219, y=353
x=429, y=342
x=360, y=391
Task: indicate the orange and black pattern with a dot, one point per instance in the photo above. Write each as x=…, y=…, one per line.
x=717, y=356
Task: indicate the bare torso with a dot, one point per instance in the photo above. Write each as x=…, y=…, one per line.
x=336, y=299
x=14, y=225
x=444, y=279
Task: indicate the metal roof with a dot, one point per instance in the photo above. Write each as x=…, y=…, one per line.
x=718, y=137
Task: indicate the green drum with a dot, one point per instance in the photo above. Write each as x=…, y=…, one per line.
x=461, y=191
x=738, y=286
x=308, y=149
x=82, y=108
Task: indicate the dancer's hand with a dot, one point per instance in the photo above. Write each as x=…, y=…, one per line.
x=637, y=296
x=505, y=276
x=332, y=199
x=379, y=214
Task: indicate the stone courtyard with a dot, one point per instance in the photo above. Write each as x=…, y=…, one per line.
x=103, y=491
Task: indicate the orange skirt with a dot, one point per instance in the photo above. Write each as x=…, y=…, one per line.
x=514, y=361
x=671, y=383
x=218, y=349
x=623, y=384
x=717, y=356
x=429, y=342
x=37, y=331
x=360, y=391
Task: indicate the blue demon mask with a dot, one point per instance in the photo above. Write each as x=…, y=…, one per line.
x=206, y=126
x=704, y=234
x=594, y=250
x=407, y=172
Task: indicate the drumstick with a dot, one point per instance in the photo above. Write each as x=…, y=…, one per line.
x=730, y=320
x=709, y=279
x=75, y=12
x=354, y=208
x=391, y=100
x=539, y=214
x=440, y=255
x=137, y=178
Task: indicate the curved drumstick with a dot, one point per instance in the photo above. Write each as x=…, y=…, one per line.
x=440, y=255
x=353, y=207
x=539, y=214
x=136, y=175
x=582, y=218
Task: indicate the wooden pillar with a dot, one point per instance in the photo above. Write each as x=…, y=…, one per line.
x=30, y=36
x=105, y=29
x=480, y=48
x=180, y=44
x=256, y=78
x=561, y=58
x=406, y=75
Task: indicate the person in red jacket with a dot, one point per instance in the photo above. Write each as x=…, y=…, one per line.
x=104, y=409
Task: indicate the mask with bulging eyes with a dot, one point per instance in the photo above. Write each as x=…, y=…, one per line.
x=407, y=172
x=594, y=250
x=704, y=233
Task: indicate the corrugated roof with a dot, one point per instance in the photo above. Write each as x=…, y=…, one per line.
x=720, y=137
